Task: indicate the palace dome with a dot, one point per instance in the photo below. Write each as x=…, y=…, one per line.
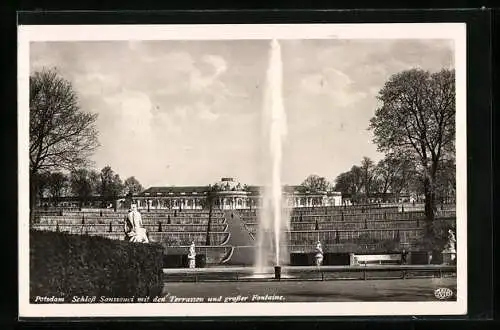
x=228, y=184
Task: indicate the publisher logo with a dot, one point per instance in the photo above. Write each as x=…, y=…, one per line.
x=443, y=293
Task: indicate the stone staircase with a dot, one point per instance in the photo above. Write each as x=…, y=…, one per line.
x=240, y=239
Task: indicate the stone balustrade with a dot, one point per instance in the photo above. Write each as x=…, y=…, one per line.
x=174, y=238
x=93, y=219
x=360, y=236
x=213, y=254
x=366, y=217
x=114, y=227
x=186, y=238
x=393, y=224
x=347, y=247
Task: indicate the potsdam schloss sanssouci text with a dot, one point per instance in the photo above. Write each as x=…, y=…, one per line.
x=158, y=299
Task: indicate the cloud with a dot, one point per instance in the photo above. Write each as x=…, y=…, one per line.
x=186, y=112
x=217, y=62
x=201, y=81
x=133, y=116
x=205, y=113
x=332, y=84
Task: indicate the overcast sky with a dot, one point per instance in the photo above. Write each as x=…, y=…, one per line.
x=189, y=113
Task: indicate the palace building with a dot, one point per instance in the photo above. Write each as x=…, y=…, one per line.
x=225, y=194
x=228, y=194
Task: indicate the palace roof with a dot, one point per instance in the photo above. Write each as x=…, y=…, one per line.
x=202, y=190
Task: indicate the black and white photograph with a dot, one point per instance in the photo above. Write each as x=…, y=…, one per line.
x=242, y=170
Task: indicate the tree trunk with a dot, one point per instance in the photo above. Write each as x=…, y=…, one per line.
x=33, y=196
x=430, y=202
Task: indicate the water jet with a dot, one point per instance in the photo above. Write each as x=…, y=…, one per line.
x=273, y=223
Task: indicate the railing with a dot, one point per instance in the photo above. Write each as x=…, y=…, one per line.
x=322, y=235
x=350, y=247
x=228, y=256
x=357, y=225
x=85, y=218
x=119, y=227
x=214, y=253
x=310, y=273
x=361, y=217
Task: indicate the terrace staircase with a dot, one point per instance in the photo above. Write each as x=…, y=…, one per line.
x=241, y=240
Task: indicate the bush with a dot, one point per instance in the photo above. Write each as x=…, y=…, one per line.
x=171, y=240
x=436, y=235
x=65, y=265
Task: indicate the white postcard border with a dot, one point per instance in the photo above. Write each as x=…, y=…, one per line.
x=31, y=33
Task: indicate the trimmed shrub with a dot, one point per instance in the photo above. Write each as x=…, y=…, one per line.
x=436, y=235
x=65, y=265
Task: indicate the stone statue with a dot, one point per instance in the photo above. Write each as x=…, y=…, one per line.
x=451, y=248
x=133, y=226
x=192, y=256
x=319, y=254
x=353, y=260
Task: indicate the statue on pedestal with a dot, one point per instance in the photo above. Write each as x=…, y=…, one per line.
x=319, y=254
x=192, y=256
x=451, y=246
x=133, y=226
x=353, y=261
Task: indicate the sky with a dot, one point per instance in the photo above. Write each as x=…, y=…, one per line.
x=190, y=112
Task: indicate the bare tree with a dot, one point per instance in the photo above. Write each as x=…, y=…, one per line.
x=417, y=117
x=404, y=172
x=367, y=170
x=62, y=136
x=393, y=174
x=56, y=184
x=446, y=181
x=41, y=181
x=84, y=184
x=384, y=175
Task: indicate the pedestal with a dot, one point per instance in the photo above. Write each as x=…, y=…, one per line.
x=449, y=257
x=277, y=272
x=352, y=259
x=319, y=260
x=192, y=263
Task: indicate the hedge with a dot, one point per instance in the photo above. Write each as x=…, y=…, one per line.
x=65, y=265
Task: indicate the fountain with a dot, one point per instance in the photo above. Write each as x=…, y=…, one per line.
x=273, y=222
